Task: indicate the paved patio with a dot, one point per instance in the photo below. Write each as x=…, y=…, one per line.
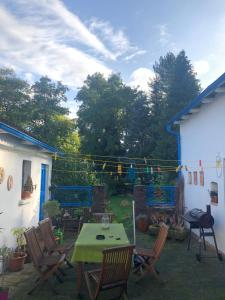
x=185, y=278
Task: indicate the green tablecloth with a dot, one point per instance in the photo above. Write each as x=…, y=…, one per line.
x=89, y=249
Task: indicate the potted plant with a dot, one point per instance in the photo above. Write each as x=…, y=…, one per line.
x=28, y=189
x=4, y=291
x=142, y=222
x=17, y=258
x=52, y=210
x=4, y=256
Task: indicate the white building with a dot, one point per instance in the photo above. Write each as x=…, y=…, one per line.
x=201, y=148
x=22, y=158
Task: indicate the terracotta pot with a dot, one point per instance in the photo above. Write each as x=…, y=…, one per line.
x=4, y=294
x=142, y=223
x=16, y=262
x=25, y=195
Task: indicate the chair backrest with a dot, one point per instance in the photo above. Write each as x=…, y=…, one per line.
x=34, y=248
x=116, y=265
x=47, y=234
x=160, y=241
x=98, y=217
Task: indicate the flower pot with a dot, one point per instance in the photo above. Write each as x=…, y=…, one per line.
x=16, y=262
x=25, y=195
x=4, y=293
x=142, y=223
x=180, y=234
x=154, y=229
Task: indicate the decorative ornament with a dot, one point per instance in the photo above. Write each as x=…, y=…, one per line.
x=159, y=169
x=219, y=165
x=119, y=169
x=2, y=174
x=9, y=183
x=132, y=173
x=201, y=176
x=152, y=171
x=103, y=166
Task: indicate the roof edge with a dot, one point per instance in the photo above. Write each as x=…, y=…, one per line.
x=196, y=101
x=26, y=137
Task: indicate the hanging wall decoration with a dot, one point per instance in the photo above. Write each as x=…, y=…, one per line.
x=219, y=165
x=2, y=174
x=201, y=178
x=195, y=177
x=189, y=178
x=9, y=183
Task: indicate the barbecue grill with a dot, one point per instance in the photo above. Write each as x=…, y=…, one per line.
x=204, y=221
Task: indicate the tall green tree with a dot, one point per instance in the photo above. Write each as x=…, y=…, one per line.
x=48, y=111
x=137, y=139
x=101, y=115
x=174, y=86
x=14, y=98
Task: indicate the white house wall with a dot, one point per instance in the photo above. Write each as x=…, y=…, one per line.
x=14, y=214
x=202, y=138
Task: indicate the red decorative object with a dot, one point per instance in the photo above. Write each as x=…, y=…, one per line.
x=201, y=174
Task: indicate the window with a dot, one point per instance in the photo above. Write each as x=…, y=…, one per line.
x=27, y=184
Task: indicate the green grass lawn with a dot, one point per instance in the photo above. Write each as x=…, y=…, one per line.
x=121, y=206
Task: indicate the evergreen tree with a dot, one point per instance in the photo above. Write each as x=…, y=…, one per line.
x=172, y=88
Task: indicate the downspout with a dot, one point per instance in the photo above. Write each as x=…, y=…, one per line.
x=177, y=136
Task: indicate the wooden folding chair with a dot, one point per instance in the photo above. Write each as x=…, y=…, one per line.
x=50, y=241
x=145, y=259
x=46, y=266
x=113, y=274
x=98, y=217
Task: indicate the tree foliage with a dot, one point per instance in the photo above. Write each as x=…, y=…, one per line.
x=173, y=87
x=113, y=119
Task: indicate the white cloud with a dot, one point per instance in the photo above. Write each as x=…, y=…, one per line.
x=62, y=23
x=137, y=53
x=165, y=38
x=117, y=39
x=44, y=50
x=140, y=78
x=164, y=34
x=201, y=67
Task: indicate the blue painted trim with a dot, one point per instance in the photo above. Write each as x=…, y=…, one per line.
x=80, y=203
x=21, y=135
x=169, y=201
x=42, y=190
x=197, y=101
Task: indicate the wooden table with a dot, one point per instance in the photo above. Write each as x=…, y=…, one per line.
x=89, y=249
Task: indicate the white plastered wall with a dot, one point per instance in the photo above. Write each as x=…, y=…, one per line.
x=203, y=138
x=12, y=154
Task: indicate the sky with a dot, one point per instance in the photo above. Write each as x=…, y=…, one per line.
x=67, y=40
